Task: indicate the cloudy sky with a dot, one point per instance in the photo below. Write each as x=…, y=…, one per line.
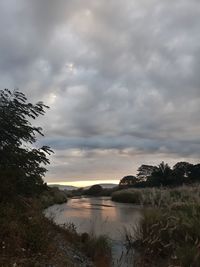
x=122, y=78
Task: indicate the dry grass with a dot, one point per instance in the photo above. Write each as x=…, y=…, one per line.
x=169, y=231
x=158, y=197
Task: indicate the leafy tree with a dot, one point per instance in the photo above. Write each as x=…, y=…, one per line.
x=22, y=165
x=128, y=181
x=161, y=176
x=195, y=173
x=145, y=171
x=183, y=169
x=94, y=190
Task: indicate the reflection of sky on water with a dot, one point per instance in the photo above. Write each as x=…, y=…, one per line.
x=98, y=215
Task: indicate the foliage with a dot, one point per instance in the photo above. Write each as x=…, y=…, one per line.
x=183, y=169
x=21, y=164
x=94, y=190
x=127, y=181
x=81, y=191
x=51, y=196
x=145, y=171
x=99, y=249
x=168, y=233
x=163, y=175
x=167, y=237
x=127, y=196
x=158, y=197
x=27, y=238
x=23, y=231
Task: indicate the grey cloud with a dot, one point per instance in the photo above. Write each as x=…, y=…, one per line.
x=118, y=75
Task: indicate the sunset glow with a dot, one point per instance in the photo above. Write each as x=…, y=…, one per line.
x=87, y=182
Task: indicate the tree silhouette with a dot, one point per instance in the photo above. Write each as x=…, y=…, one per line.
x=128, y=181
x=94, y=190
x=22, y=165
x=161, y=176
x=145, y=171
x=183, y=169
x=195, y=173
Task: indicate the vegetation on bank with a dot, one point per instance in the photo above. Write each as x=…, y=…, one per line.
x=29, y=239
x=51, y=196
x=93, y=191
x=163, y=175
x=169, y=231
x=170, y=236
x=158, y=196
x=148, y=176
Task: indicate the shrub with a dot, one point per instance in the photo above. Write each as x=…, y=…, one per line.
x=94, y=190
x=127, y=196
x=168, y=236
x=99, y=249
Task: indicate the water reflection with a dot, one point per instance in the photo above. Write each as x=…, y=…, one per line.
x=98, y=215
x=102, y=217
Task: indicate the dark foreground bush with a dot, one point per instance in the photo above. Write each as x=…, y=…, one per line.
x=25, y=234
x=28, y=239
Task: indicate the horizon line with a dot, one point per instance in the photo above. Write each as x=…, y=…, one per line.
x=84, y=183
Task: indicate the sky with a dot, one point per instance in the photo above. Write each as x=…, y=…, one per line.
x=121, y=77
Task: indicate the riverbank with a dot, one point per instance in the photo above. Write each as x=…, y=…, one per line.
x=27, y=238
x=158, y=196
x=100, y=216
x=169, y=231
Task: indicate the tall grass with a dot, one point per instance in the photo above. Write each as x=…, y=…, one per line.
x=169, y=231
x=158, y=197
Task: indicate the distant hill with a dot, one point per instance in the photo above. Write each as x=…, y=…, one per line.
x=63, y=187
x=104, y=185
x=70, y=187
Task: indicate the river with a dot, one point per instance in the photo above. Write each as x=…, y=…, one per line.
x=100, y=216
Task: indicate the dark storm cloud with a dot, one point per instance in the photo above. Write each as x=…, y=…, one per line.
x=121, y=77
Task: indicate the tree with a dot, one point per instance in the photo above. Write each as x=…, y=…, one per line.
x=195, y=173
x=145, y=171
x=182, y=172
x=161, y=176
x=128, y=181
x=22, y=165
x=183, y=169
x=94, y=190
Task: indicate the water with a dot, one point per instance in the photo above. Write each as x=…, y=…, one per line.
x=102, y=217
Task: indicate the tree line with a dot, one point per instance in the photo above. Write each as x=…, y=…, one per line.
x=163, y=175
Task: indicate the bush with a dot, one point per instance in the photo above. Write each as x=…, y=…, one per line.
x=169, y=235
x=99, y=249
x=51, y=196
x=94, y=190
x=127, y=196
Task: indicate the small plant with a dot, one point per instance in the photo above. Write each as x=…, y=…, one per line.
x=99, y=249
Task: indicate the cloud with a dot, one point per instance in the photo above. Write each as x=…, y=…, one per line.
x=120, y=76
